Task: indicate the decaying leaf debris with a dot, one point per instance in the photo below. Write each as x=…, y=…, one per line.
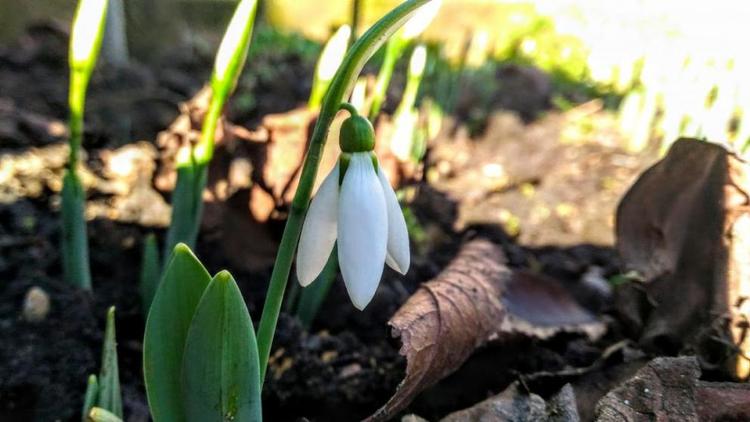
x=476, y=299
x=669, y=389
x=685, y=227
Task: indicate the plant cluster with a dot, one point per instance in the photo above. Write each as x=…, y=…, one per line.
x=203, y=359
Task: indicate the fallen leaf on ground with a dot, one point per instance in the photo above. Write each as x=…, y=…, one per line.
x=669, y=389
x=685, y=227
x=470, y=303
x=515, y=405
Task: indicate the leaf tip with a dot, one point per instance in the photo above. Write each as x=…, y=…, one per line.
x=223, y=276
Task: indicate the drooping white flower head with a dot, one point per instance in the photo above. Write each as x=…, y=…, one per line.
x=356, y=207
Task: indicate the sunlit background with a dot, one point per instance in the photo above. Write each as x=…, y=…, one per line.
x=666, y=68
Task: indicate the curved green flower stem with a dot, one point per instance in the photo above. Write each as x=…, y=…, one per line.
x=340, y=87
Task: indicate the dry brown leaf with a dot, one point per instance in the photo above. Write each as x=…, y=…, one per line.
x=516, y=405
x=669, y=389
x=466, y=306
x=685, y=226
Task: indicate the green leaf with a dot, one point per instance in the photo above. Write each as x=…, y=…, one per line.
x=167, y=325
x=75, y=249
x=220, y=369
x=314, y=294
x=149, y=272
x=187, y=205
x=109, y=396
x=97, y=414
x=89, y=399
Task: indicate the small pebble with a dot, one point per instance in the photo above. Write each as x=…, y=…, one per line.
x=350, y=370
x=35, y=305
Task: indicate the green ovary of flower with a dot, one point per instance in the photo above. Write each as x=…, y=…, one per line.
x=356, y=135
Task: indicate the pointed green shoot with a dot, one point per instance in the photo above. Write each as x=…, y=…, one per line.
x=328, y=62
x=97, y=414
x=406, y=117
x=187, y=205
x=340, y=88
x=220, y=372
x=230, y=59
x=150, y=271
x=89, y=399
x=85, y=40
x=109, y=397
x=75, y=247
x=167, y=325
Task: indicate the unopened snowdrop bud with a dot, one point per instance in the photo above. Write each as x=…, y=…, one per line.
x=356, y=207
x=86, y=34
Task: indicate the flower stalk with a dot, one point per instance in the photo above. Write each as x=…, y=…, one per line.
x=192, y=163
x=340, y=88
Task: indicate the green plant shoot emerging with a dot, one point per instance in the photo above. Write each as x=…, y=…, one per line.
x=192, y=163
x=85, y=40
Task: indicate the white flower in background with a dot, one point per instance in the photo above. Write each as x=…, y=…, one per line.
x=356, y=206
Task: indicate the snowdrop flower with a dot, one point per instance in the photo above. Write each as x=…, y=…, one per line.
x=356, y=207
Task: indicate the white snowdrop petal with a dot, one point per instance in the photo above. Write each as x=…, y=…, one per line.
x=319, y=230
x=362, y=230
x=399, y=257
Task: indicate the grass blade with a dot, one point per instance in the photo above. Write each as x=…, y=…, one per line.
x=220, y=369
x=89, y=399
x=109, y=397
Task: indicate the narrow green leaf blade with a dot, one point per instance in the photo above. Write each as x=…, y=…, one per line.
x=97, y=414
x=149, y=272
x=167, y=325
x=109, y=397
x=220, y=370
x=89, y=399
x=75, y=248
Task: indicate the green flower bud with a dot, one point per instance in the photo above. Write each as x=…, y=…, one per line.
x=357, y=135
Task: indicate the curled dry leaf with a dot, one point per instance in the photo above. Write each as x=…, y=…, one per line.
x=474, y=300
x=685, y=227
